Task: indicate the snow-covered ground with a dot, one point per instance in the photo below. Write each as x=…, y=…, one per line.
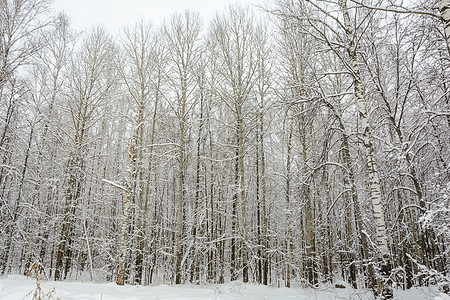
x=17, y=287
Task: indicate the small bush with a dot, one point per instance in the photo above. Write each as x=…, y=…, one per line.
x=38, y=293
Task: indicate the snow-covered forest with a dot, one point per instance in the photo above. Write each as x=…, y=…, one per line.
x=293, y=144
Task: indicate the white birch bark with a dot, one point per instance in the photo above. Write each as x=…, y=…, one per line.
x=383, y=287
x=444, y=8
x=375, y=189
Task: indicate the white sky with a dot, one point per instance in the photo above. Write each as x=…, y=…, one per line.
x=115, y=14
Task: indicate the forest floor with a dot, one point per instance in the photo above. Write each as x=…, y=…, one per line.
x=16, y=287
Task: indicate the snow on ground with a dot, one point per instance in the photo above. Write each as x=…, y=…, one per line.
x=16, y=287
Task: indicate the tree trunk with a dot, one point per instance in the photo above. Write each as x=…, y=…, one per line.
x=265, y=262
x=180, y=221
x=142, y=211
x=243, y=196
x=233, y=263
x=288, y=209
x=69, y=206
x=123, y=259
x=15, y=214
x=372, y=170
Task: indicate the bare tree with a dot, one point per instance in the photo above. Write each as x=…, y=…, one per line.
x=19, y=30
x=138, y=74
x=183, y=39
x=91, y=78
x=19, y=42
x=52, y=61
x=234, y=34
x=341, y=36
x=263, y=85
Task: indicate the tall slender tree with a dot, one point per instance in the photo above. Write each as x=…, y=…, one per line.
x=234, y=34
x=183, y=39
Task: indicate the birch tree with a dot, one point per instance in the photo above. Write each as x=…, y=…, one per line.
x=395, y=99
x=344, y=44
x=372, y=168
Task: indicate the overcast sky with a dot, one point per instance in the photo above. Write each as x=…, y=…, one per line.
x=115, y=14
